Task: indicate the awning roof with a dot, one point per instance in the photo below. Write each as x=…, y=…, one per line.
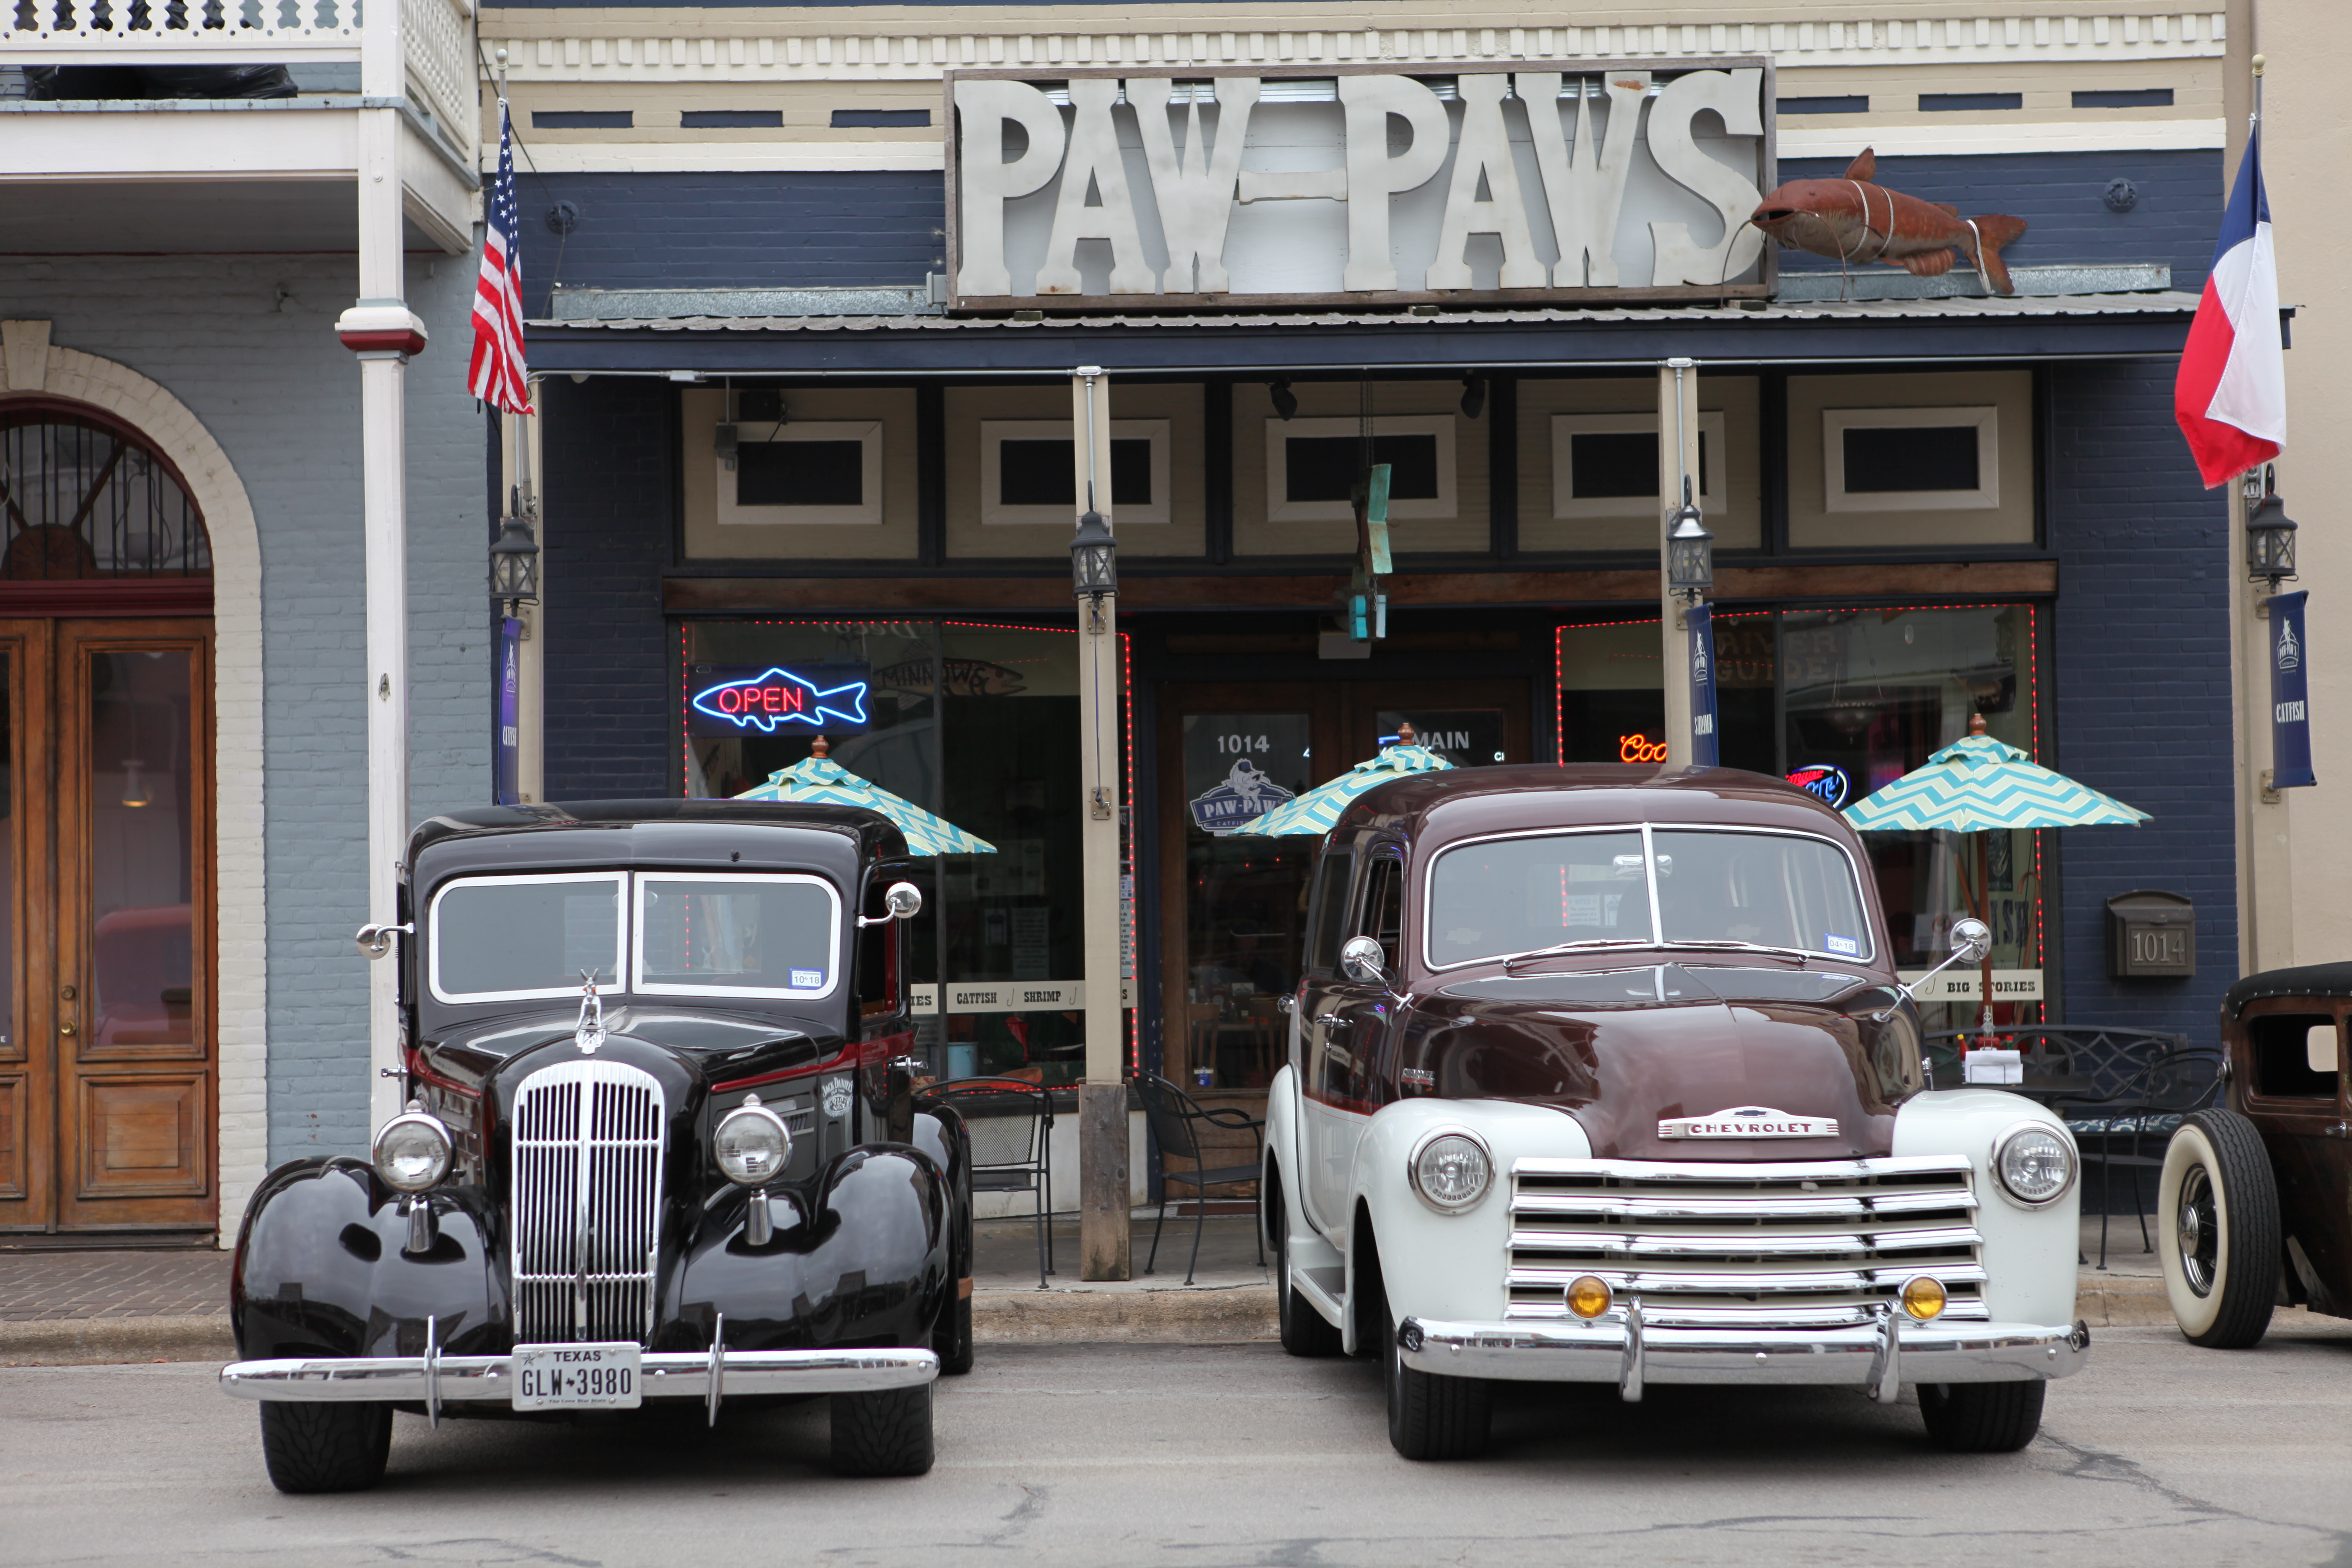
x=2080, y=326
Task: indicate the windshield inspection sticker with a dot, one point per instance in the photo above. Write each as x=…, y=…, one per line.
x=808, y=978
x=1749, y=1122
x=1844, y=944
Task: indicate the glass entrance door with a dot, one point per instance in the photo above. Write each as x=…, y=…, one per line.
x=108, y=1094
x=1232, y=907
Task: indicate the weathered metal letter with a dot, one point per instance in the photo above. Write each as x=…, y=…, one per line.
x=985, y=182
x=1483, y=157
x=1373, y=176
x=1094, y=164
x=1195, y=190
x=1586, y=190
x=1736, y=96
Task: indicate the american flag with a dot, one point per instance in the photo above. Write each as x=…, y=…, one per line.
x=497, y=375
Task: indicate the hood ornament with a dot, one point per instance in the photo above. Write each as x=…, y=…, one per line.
x=590, y=1032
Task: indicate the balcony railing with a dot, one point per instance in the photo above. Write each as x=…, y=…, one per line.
x=437, y=39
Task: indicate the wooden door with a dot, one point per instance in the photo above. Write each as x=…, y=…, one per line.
x=111, y=729
x=27, y=1065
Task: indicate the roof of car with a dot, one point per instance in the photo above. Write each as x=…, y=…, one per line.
x=2329, y=980
x=876, y=836
x=1463, y=801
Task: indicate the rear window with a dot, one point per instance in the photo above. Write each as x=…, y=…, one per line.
x=511, y=939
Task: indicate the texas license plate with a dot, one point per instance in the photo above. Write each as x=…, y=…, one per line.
x=577, y=1377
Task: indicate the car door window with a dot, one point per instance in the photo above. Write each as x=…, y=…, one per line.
x=1384, y=913
x=1326, y=912
x=2295, y=1056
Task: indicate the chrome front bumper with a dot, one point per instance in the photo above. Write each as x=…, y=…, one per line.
x=1879, y=1356
x=435, y=1379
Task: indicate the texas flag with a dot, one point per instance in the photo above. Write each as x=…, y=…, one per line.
x=2230, y=394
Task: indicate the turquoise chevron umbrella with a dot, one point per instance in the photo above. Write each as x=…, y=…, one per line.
x=1976, y=784
x=1318, y=808
x=819, y=780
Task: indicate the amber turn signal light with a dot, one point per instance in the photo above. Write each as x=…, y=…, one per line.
x=1923, y=1298
x=1588, y=1297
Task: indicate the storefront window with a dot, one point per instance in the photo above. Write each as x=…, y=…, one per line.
x=979, y=724
x=1844, y=702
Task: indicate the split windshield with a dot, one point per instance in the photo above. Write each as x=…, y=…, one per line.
x=503, y=939
x=1644, y=887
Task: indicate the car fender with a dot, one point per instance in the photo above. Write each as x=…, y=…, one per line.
x=863, y=1256
x=321, y=1270
x=1282, y=1151
x=2029, y=1254
x=1436, y=1264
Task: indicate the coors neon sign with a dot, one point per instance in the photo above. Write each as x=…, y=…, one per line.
x=1282, y=186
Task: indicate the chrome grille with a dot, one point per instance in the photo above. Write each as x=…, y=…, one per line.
x=1805, y=1244
x=587, y=1228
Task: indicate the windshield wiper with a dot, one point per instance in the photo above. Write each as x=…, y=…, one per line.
x=1738, y=946
x=1592, y=945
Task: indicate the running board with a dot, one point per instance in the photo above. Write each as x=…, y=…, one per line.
x=1324, y=1289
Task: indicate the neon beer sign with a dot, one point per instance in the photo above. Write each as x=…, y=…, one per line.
x=1824, y=781
x=820, y=697
x=1640, y=749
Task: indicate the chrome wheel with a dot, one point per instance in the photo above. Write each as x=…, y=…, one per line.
x=2199, y=1231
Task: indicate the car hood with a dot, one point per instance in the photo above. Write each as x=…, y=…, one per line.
x=1622, y=1050
x=706, y=1047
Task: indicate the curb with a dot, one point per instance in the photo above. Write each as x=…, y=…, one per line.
x=1228, y=1315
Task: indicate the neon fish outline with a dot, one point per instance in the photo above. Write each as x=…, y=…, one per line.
x=820, y=708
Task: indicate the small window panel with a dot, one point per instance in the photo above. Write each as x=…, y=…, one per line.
x=764, y=936
x=1311, y=465
x=520, y=939
x=1028, y=472
x=820, y=472
x=1606, y=464
x=1910, y=459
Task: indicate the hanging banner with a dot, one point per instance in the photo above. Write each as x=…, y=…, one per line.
x=2290, y=695
x=1700, y=620
x=509, y=752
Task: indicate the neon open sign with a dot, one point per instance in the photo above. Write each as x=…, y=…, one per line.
x=818, y=697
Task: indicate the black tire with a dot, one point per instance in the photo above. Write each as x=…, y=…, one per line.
x=2217, y=1209
x=1430, y=1416
x=952, y=1338
x=325, y=1448
x=885, y=1434
x=1305, y=1332
x=1983, y=1417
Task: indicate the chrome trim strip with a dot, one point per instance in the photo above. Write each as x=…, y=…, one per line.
x=1743, y=1171
x=667, y=1375
x=1577, y=1351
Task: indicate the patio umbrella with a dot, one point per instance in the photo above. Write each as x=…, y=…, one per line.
x=1977, y=784
x=1318, y=808
x=817, y=780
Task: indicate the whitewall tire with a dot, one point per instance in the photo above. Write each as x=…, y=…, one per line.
x=2217, y=1209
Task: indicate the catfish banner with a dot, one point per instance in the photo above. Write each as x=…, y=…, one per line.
x=1354, y=182
x=1705, y=750
x=2290, y=695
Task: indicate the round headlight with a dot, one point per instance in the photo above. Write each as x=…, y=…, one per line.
x=752, y=1145
x=1451, y=1171
x=412, y=1151
x=2035, y=1164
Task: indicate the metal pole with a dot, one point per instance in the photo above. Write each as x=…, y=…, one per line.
x=1104, y=1232
x=1677, y=414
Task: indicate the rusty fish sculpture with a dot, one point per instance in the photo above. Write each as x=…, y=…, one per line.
x=1852, y=220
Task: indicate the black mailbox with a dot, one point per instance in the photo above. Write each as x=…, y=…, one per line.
x=2151, y=936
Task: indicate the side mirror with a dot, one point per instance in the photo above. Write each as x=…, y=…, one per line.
x=1971, y=940
x=904, y=901
x=1362, y=960
x=376, y=940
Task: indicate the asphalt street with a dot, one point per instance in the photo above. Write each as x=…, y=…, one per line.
x=1206, y=1456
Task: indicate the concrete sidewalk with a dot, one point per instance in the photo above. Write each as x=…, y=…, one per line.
x=73, y=1308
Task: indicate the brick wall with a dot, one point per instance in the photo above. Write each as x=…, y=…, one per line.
x=2142, y=685
x=732, y=230
x=248, y=343
x=2061, y=197
x=610, y=496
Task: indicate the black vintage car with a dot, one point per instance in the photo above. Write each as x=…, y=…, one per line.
x=659, y=1143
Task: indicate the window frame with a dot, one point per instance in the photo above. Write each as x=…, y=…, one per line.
x=1714, y=476
x=620, y=904
x=1657, y=939
x=636, y=905
x=996, y=513
x=867, y=513
x=1279, y=508
x=1985, y=496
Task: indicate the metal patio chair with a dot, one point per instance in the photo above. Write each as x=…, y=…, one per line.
x=1011, y=1125
x=1176, y=1119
